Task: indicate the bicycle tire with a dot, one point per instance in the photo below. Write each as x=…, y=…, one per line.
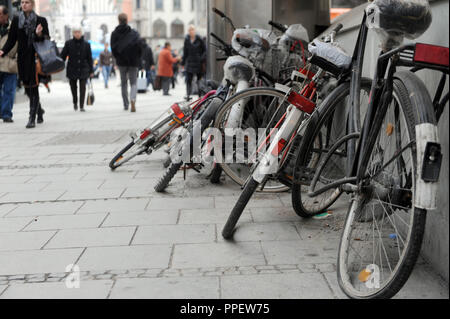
x=114, y=162
x=221, y=118
x=406, y=93
x=164, y=181
x=312, y=134
x=167, y=162
x=238, y=208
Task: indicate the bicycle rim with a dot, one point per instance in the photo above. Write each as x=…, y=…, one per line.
x=259, y=108
x=383, y=230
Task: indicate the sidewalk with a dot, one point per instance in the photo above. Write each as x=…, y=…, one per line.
x=60, y=204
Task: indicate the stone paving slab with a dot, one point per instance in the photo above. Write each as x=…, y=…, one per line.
x=45, y=209
x=209, y=216
x=24, y=241
x=6, y=209
x=275, y=231
x=114, y=206
x=11, y=225
x=174, y=234
x=144, y=218
x=218, y=255
x=299, y=251
x=66, y=222
x=37, y=261
x=263, y=202
x=276, y=286
x=74, y=238
x=98, y=289
x=25, y=197
x=124, y=258
x=166, y=288
x=177, y=203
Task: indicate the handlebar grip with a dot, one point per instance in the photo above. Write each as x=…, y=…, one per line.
x=338, y=28
x=218, y=12
x=278, y=26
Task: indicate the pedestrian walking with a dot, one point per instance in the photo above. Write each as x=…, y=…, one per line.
x=80, y=66
x=148, y=63
x=106, y=64
x=194, y=55
x=176, y=67
x=8, y=70
x=165, y=67
x=127, y=50
x=26, y=28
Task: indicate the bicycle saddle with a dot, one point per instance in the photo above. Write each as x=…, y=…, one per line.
x=409, y=18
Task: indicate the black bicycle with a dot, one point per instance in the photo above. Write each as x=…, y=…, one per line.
x=390, y=164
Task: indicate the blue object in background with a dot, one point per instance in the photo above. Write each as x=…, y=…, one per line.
x=97, y=48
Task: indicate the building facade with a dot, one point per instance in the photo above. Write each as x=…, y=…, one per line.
x=98, y=18
x=159, y=21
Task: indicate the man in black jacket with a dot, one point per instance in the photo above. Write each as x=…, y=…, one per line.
x=127, y=50
x=80, y=66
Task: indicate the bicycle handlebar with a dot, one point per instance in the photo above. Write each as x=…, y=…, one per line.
x=278, y=26
x=218, y=12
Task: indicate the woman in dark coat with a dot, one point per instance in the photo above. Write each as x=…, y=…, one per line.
x=80, y=66
x=194, y=56
x=26, y=28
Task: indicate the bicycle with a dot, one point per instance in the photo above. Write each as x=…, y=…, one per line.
x=390, y=165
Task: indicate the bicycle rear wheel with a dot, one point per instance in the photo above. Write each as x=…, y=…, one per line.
x=326, y=127
x=260, y=105
x=383, y=230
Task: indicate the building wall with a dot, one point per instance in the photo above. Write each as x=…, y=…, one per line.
x=64, y=14
x=435, y=247
x=147, y=14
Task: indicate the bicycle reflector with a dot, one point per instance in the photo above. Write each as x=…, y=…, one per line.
x=145, y=134
x=277, y=150
x=177, y=110
x=302, y=103
x=431, y=54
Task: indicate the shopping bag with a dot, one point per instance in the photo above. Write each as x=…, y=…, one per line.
x=48, y=61
x=90, y=93
x=141, y=82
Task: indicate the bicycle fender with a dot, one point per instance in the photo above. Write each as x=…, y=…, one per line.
x=429, y=160
x=428, y=153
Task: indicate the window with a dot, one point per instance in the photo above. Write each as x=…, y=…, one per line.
x=138, y=4
x=192, y=5
x=176, y=5
x=177, y=29
x=159, y=5
x=159, y=29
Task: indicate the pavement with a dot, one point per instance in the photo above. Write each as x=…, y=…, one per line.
x=60, y=205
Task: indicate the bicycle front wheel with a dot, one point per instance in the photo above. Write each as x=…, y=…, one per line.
x=127, y=154
x=383, y=230
x=260, y=106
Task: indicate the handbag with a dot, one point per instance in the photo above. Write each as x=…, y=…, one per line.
x=90, y=93
x=48, y=61
x=157, y=83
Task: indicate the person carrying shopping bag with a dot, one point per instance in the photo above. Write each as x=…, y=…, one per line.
x=80, y=66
